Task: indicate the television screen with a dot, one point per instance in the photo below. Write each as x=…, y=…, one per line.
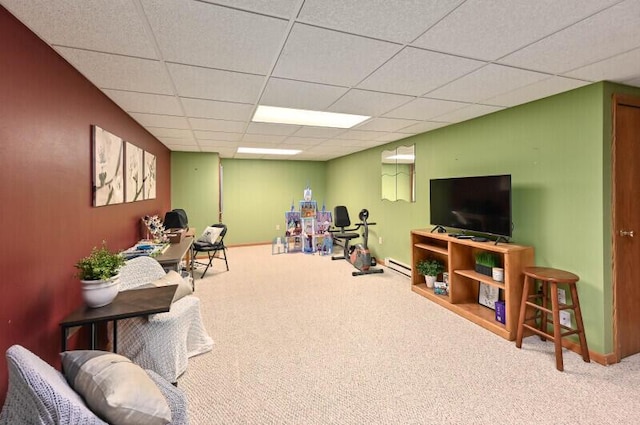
x=480, y=204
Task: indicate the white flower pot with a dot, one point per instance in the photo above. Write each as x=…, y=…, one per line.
x=98, y=293
x=431, y=280
x=498, y=274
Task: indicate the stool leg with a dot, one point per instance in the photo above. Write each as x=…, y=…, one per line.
x=523, y=311
x=576, y=309
x=544, y=318
x=557, y=336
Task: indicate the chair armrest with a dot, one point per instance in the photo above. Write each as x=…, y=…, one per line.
x=177, y=310
x=175, y=398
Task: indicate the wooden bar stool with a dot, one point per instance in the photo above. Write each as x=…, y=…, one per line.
x=539, y=302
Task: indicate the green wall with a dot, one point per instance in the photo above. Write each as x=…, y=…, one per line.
x=558, y=151
x=553, y=148
x=257, y=193
x=194, y=187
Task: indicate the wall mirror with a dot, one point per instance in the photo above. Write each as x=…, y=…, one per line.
x=398, y=174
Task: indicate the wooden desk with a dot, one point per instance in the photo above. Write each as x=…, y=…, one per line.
x=127, y=304
x=172, y=257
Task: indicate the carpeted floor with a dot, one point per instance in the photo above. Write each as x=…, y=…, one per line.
x=298, y=340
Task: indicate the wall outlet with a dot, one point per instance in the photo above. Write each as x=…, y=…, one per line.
x=562, y=297
x=565, y=318
x=380, y=240
x=277, y=227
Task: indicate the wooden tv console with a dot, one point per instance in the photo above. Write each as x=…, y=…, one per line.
x=458, y=256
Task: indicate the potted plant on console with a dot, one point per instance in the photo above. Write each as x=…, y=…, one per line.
x=485, y=262
x=99, y=273
x=430, y=269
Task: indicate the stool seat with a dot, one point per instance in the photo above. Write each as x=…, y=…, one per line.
x=551, y=275
x=544, y=304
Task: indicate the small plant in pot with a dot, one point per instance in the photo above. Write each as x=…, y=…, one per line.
x=430, y=269
x=99, y=273
x=485, y=261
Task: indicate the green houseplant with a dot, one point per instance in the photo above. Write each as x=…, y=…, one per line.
x=99, y=273
x=485, y=261
x=430, y=268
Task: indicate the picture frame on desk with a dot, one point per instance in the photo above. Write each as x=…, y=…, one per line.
x=488, y=295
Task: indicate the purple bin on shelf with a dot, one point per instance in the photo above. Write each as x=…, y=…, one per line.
x=500, y=312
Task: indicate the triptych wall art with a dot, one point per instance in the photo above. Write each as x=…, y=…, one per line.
x=122, y=172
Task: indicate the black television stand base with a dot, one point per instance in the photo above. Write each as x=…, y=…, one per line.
x=439, y=228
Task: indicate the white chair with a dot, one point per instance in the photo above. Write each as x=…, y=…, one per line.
x=162, y=342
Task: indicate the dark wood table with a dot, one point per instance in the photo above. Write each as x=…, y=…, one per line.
x=127, y=304
x=172, y=257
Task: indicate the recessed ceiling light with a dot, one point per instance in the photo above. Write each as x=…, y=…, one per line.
x=274, y=114
x=265, y=151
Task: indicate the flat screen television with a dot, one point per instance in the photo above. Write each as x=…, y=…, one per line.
x=479, y=204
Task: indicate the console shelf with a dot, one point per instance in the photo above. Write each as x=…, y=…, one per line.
x=459, y=258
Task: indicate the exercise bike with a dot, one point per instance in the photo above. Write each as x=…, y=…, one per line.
x=359, y=254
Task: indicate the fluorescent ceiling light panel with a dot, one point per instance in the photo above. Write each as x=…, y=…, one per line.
x=265, y=151
x=274, y=114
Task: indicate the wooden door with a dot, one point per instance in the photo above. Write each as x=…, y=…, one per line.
x=626, y=225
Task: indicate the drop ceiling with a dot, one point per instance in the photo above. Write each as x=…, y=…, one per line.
x=193, y=72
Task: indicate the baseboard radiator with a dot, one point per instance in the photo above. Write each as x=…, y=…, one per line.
x=398, y=266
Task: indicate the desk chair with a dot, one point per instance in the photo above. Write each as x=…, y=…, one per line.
x=342, y=221
x=211, y=248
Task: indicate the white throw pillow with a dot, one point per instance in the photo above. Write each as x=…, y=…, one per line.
x=174, y=278
x=210, y=234
x=114, y=388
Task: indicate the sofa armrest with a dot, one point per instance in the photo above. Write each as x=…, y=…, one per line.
x=178, y=309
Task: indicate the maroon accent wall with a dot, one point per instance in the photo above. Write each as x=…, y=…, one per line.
x=47, y=220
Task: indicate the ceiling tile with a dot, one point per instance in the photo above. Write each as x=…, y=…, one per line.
x=198, y=108
x=173, y=133
x=330, y=57
x=384, y=21
x=385, y=124
x=303, y=141
x=217, y=125
x=391, y=137
x=488, y=30
x=262, y=138
x=424, y=109
x=284, y=8
x=197, y=33
x=321, y=132
x=415, y=72
x=164, y=121
x=268, y=128
x=340, y=143
x=535, y=91
x=183, y=148
x=300, y=95
x=69, y=24
x=619, y=68
x=487, y=82
x=206, y=83
x=360, y=135
x=468, y=112
x=146, y=103
x=606, y=34
x=370, y=103
x=422, y=127
x=217, y=136
x=108, y=71
x=178, y=142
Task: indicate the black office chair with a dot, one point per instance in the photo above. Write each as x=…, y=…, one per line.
x=342, y=221
x=212, y=248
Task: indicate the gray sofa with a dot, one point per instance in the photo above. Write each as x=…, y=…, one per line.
x=39, y=394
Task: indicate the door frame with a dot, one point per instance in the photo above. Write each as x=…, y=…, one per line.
x=618, y=100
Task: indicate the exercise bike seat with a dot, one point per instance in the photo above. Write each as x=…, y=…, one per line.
x=342, y=222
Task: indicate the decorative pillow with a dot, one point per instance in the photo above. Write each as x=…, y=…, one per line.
x=114, y=388
x=210, y=234
x=174, y=278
